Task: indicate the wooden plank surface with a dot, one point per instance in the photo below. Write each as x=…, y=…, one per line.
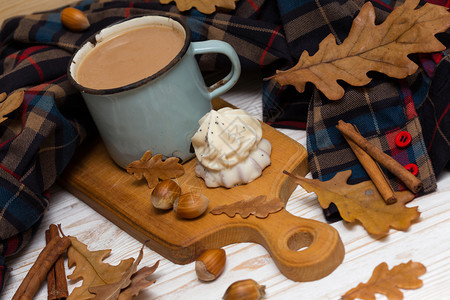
x=426, y=241
x=9, y=8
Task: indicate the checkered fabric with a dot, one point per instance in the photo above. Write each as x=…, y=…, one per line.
x=39, y=139
x=380, y=111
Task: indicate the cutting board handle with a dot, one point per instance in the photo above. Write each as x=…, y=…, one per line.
x=303, y=249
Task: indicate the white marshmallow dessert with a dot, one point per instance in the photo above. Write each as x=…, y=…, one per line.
x=229, y=148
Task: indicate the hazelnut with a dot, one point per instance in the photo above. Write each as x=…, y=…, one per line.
x=190, y=205
x=165, y=193
x=74, y=19
x=210, y=264
x=247, y=289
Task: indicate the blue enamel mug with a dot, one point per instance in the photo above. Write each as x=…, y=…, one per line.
x=159, y=113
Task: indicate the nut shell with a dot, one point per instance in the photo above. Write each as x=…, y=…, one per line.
x=190, y=205
x=247, y=289
x=74, y=19
x=165, y=193
x=210, y=264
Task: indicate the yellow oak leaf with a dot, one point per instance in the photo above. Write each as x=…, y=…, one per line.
x=383, y=48
x=152, y=168
x=362, y=202
x=9, y=103
x=204, y=6
x=388, y=282
x=91, y=269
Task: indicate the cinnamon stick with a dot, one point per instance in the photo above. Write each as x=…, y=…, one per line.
x=56, y=277
x=51, y=280
x=374, y=171
x=412, y=182
x=40, y=268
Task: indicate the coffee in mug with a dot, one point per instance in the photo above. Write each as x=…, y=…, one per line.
x=130, y=57
x=141, y=94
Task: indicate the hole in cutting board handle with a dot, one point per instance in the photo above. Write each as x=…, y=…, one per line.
x=300, y=240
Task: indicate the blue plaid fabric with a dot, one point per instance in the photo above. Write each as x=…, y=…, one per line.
x=380, y=111
x=40, y=138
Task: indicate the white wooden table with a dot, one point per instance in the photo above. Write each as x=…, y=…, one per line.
x=427, y=240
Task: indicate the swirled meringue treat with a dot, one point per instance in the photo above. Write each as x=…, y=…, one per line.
x=230, y=149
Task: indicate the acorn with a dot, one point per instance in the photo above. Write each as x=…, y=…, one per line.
x=247, y=289
x=74, y=19
x=190, y=205
x=165, y=193
x=210, y=264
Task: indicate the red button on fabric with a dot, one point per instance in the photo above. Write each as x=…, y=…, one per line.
x=403, y=139
x=412, y=168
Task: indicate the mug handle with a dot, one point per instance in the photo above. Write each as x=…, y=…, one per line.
x=215, y=46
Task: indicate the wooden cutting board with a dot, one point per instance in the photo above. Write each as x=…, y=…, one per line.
x=303, y=249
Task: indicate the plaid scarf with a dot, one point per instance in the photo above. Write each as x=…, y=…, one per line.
x=39, y=139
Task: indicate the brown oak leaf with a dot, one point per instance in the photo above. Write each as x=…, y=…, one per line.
x=259, y=206
x=362, y=202
x=388, y=282
x=204, y=6
x=91, y=269
x=139, y=281
x=369, y=47
x=114, y=290
x=152, y=168
x=9, y=103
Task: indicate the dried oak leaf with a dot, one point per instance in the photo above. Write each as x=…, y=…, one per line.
x=9, y=104
x=118, y=290
x=258, y=206
x=369, y=47
x=388, y=282
x=204, y=6
x=152, y=168
x=362, y=202
x=91, y=269
x=139, y=281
